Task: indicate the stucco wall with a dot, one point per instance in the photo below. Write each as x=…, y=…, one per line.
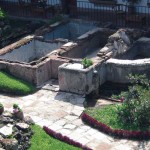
x=24, y=53
x=81, y=81
x=141, y=48
x=70, y=31
x=21, y=71
x=78, y=81
x=29, y=52
x=87, y=43
x=118, y=70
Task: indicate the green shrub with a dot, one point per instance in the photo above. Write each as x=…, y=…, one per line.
x=87, y=63
x=2, y=14
x=11, y=84
x=136, y=106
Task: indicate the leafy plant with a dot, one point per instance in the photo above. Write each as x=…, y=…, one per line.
x=136, y=106
x=87, y=62
x=2, y=14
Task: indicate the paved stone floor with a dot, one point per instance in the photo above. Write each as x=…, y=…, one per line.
x=60, y=112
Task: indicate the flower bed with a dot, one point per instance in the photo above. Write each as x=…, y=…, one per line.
x=119, y=133
x=64, y=138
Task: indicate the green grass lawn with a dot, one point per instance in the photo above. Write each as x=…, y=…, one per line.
x=108, y=115
x=11, y=84
x=42, y=141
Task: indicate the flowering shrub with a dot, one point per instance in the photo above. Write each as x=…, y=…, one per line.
x=64, y=138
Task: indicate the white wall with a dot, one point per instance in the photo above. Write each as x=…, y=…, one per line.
x=24, y=53
x=31, y=51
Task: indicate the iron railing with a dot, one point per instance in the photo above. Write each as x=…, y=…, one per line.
x=28, y=8
x=117, y=14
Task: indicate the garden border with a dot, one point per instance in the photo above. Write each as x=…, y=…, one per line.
x=114, y=132
x=65, y=139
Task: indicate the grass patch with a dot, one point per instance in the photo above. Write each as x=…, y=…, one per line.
x=10, y=84
x=42, y=141
x=108, y=115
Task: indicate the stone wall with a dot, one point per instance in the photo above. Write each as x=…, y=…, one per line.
x=33, y=50
x=21, y=71
x=81, y=81
x=118, y=70
x=141, y=48
x=86, y=43
x=75, y=80
x=71, y=30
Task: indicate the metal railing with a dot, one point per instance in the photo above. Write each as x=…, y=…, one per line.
x=117, y=14
x=27, y=8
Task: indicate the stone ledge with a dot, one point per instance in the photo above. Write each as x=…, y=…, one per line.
x=15, y=45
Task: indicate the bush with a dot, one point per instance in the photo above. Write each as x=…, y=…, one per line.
x=136, y=106
x=2, y=14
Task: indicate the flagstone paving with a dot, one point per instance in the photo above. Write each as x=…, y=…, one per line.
x=61, y=111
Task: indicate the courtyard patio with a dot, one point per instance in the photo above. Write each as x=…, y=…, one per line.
x=61, y=112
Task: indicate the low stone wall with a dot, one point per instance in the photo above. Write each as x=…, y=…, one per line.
x=141, y=48
x=30, y=51
x=21, y=71
x=86, y=43
x=118, y=70
x=69, y=30
x=16, y=58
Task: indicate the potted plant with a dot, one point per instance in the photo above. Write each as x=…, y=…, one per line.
x=17, y=111
x=1, y=108
x=87, y=63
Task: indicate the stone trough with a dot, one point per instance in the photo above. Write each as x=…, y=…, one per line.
x=57, y=51
x=109, y=65
x=36, y=59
